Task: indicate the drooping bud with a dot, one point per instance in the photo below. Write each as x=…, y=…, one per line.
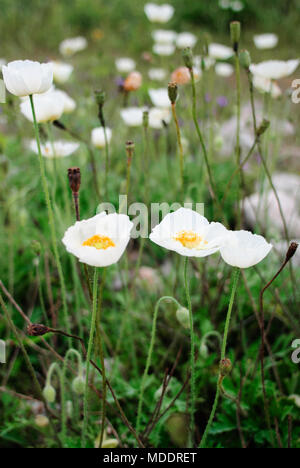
x=263, y=127
x=187, y=56
x=49, y=393
x=172, y=91
x=74, y=179
x=225, y=367
x=37, y=329
x=291, y=251
x=245, y=59
x=41, y=420
x=183, y=317
x=36, y=247
x=78, y=385
x=235, y=34
x=203, y=350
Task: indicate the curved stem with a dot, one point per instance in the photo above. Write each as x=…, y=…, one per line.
x=63, y=379
x=236, y=275
x=51, y=218
x=192, y=352
x=88, y=357
x=149, y=356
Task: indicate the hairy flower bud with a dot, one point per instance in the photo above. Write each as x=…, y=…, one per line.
x=187, y=55
x=78, y=385
x=291, y=251
x=74, y=179
x=172, y=92
x=225, y=367
x=36, y=329
x=235, y=34
x=245, y=59
x=182, y=315
x=49, y=393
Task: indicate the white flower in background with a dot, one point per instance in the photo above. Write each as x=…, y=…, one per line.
x=274, y=69
x=237, y=6
x=186, y=39
x=224, y=4
x=164, y=36
x=24, y=77
x=157, y=74
x=48, y=107
x=59, y=148
x=61, y=71
x=220, y=51
x=99, y=241
x=158, y=116
x=224, y=69
x=98, y=136
x=69, y=103
x=164, y=49
x=265, y=41
x=188, y=233
x=158, y=13
x=132, y=116
x=243, y=249
x=160, y=97
x=125, y=65
x=264, y=85
x=72, y=45
x=2, y=62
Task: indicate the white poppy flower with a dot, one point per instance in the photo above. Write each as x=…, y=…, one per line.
x=274, y=69
x=61, y=71
x=158, y=116
x=186, y=39
x=158, y=13
x=125, y=65
x=24, y=77
x=98, y=136
x=220, y=51
x=163, y=36
x=48, y=107
x=160, y=97
x=69, y=103
x=264, y=85
x=59, y=148
x=265, y=41
x=99, y=241
x=188, y=233
x=243, y=249
x=157, y=74
x=72, y=45
x=224, y=69
x=132, y=116
x=164, y=49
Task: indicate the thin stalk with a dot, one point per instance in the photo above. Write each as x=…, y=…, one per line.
x=149, y=357
x=101, y=353
x=88, y=357
x=238, y=125
x=236, y=275
x=181, y=156
x=51, y=218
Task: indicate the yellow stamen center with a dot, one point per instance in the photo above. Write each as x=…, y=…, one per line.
x=190, y=239
x=99, y=242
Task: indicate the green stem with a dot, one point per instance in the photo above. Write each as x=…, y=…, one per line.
x=181, y=156
x=149, y=357
x=55, y=367
x=192, y=351
x=101, y=352
x=51, y=218
x=63, y=380
x=106, y=161
x=88, y=357
x=236, y=275
x=238, y=125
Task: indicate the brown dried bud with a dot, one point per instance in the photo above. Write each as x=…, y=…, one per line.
x=74, y=179
x=172, y=91
x=36, y=329
x=263, y=127
x=291, y=251
x=225, y=367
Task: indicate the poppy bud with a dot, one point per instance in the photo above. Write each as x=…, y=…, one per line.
x=172, y=92
x=245, y=59
x=100, y=97
x=36, y=329
x=183, y=317
x=187, y=55
x=74, y=179
x=291, y=251
x=49, y=393
x=235, y=34
x=225, y=367
x=78, y=385
x=41, y=420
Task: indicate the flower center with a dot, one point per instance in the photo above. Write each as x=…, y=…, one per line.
x=190, y=239
x=99, y=242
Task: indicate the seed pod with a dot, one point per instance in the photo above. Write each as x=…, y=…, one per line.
x=235, y=34
x=37, y=329
x=173, y=92
x=245, y=59
x=74, y=179
x=187, y=55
